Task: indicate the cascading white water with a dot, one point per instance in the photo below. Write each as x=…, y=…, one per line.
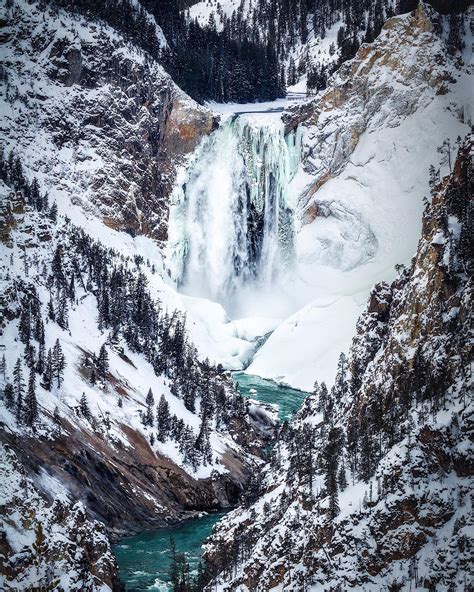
x=231, y=219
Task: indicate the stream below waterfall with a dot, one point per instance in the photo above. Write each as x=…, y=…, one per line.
x=144, y=560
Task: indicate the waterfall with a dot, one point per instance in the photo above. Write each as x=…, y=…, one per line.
x=231, y=215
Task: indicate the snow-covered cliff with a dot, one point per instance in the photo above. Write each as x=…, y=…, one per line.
x=49, y=545
x=96, y=119
x=368, y=143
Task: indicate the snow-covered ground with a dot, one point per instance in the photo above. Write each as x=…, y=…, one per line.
x=132, y=372
x=271, y=110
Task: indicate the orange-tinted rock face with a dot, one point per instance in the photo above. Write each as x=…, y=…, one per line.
x=186, y=126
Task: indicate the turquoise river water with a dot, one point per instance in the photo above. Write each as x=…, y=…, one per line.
x=144, y=560
x=254, y=387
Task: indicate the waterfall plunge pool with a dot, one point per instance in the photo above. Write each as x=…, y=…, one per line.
x=144, y=560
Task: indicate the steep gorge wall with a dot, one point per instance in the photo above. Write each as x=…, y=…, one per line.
x=93, y=117
x=408, y=67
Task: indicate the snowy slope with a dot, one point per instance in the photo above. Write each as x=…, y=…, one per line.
x=113, y=431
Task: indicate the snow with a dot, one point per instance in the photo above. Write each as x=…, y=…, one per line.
x=201, y=11
x=132, y=373
x=269, y=112
x=376, y=205
x=231, y=343
x=305, y=347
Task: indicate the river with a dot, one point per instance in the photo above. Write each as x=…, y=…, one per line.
x=287, y=399
x=144, y=560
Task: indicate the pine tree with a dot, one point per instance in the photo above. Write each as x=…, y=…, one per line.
x=323, y=398
x=72, y=288
x=9, y=396
x=57, y=267
x=163, y=419
x=40, y=363
x=104, y=309
x=34, y=193
x=3, y=366
x=30, y=355
x=174, y=565
x=30, y=412
x=342, y=480
x=202, y=443
x=331, y=455
x=187, y=449
x=103, y=362
x=51, y=312
x=189, y=397
x=62, y=316
x=57, y=422
x=58, y=363
x=53, y=213
x=291, y=77
x=48, y=371
x=340, y=385
x=147, y=417
x=19, y=386
x=24, y=327
x=84, y=407
x=150, y=400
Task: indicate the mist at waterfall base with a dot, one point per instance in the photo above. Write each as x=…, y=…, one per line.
x=231, y=230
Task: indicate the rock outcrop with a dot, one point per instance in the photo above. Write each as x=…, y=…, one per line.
x=402, y=71
x=49, y=544
x=128, y=489
x=98, y=121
